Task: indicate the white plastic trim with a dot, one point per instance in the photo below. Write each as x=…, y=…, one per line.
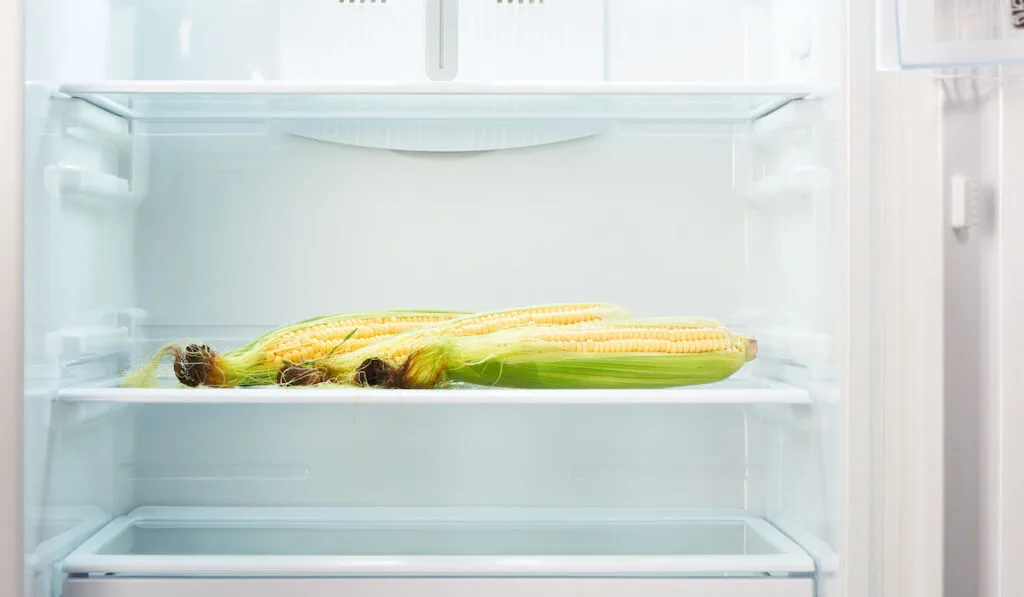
x=782, y=127
x=91, y=188
x=439, y=587
x=747, y=391
x=1003, y=533
x=789, y=189
x=910, y=188
x=156, y=100
x=80, y=114
x=964, y=203
x=895, y=437
x=71, y=343
x=443, y=88
x=893, y=328
x=81, y=522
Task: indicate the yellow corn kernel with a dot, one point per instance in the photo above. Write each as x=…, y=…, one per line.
x=631, y=338
x=396, y=351
x=318, y=340
x=486, y=323
x=608, y=354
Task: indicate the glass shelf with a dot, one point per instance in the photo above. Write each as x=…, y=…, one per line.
x=580, y=542
x=743, y=390
x=247, y=101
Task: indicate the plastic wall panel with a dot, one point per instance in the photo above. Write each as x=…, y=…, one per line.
x=642, y=32
x=259, y=231
x=405, y=455
x=653, y=40
x=549, y=41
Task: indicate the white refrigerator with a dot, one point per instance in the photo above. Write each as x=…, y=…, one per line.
x=838, y=179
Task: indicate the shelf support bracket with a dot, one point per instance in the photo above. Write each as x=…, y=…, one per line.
x=442, y=39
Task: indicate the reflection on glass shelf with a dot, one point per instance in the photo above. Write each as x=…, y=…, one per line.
x=439, y=541
x=737, y=390
x=228, y=100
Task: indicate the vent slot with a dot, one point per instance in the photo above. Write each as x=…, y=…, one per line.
x=531, y=40
x=353, y=40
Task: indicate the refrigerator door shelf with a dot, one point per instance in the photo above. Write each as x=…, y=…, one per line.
x=440, y=542
x=938, y=33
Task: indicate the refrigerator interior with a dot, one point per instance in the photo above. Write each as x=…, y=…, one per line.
x=208, y=171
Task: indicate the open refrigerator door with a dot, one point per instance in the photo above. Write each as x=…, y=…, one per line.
x=965, y=58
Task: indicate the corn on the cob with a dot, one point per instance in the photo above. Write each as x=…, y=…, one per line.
x=260, y=361
x=382, y=364
x=615, y=355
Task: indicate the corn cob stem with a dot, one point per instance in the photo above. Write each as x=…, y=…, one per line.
x=260, y=361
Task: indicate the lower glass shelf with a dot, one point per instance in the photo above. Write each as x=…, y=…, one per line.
x=440, y=542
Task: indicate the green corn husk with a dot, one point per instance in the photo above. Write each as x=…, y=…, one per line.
x=633, y=371
x=247, y=365
x=516, y=359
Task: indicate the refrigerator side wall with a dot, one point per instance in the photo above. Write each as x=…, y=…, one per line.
x=11, y=556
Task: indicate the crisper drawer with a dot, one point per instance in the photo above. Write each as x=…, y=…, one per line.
x=437, y=587
x=443, y=551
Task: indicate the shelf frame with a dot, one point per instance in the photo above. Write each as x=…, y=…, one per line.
x=117, y=97
x=746, y=391
x=439, y=587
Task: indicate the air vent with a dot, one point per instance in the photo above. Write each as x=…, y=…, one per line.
x=531, y=40
x=352, y=40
